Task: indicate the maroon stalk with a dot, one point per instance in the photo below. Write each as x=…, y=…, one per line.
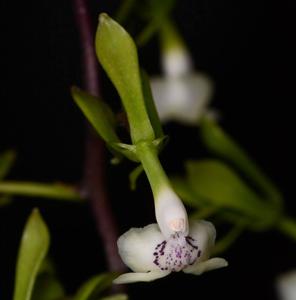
x=94, y=181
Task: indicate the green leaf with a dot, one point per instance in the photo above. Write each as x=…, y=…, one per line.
x=124, y=10
x=222, y=187
x=98, y=114
x=158, y=12
x=33, y=248
x=259, y=224
x=183, y=188
x=147, y=33
x=35, y=189
x=204, y=213
x=150, y=106
x=7, y=159
x=226, y=241
x=47, y=266
x=129, y=151
x=94, y=286
x=160, y=8
x=116, y=297
x=221, y=144
x=117, y=54
x=287, y=225
x=5, y=200
x=47, y=287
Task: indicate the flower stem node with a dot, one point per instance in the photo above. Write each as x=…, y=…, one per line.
x=130, y=151
x=151, y=255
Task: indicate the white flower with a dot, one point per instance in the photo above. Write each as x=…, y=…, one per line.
x=171, y=245
x=181, y=95
x=286, y=286
x=176, y=62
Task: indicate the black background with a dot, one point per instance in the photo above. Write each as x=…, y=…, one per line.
x=247, y=47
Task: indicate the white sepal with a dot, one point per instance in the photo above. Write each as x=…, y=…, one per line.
x=136, y=247
x=184, y=99
x=205, y=266
x=204, y=233
x=140, y=277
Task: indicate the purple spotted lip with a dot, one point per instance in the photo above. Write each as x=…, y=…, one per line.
x=176, y=253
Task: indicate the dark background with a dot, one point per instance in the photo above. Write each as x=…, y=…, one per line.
x=245, y=46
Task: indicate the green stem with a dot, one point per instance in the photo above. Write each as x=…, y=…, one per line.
x=94, y=180
x=34, y=189
x=156, y=21
x=288, y=227
x=124, y=10
x=225, y=242
x=170, y=37
x=157, y=177
x=134, y=176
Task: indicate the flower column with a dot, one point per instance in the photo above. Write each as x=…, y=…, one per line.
x=170, y=212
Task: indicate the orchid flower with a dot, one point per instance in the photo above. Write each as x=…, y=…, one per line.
x=286, y=286
x=174, y=243
x=182, y=94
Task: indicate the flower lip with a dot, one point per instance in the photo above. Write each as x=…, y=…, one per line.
x=176, y=253
x=152, y=256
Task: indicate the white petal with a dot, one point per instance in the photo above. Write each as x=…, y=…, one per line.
x=137, y=245
x=205, y=266
x=160, y=92
x=195, y=92
x=144, y=277
x=184, y=99
x=170, y=213
x=204, y=234
x=176, y=62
